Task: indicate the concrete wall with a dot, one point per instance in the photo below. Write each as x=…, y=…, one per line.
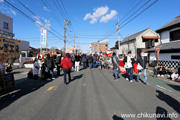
x=139, y=39
x=131, y=45
x=165, y=36
x=24, y=45
x=163, y=56
x=152, y=56
x=7, y=19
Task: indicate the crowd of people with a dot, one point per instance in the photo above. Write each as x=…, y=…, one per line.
x=162, y=71
x=71, y=62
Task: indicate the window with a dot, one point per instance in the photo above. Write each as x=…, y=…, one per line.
x=150, y=43
x=175, y=35
x=177, y=57
x=6, y=26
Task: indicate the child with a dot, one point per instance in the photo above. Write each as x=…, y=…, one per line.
x=169, y=72
x=174, y=76
x=155, y=71
x=9, y=68
x=100, y=64
x=30, y=74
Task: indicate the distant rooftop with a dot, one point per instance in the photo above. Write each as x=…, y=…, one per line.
x=168, y=46
x=172, y=24
x=131, y=37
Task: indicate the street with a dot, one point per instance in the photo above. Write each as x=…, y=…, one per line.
x=92, y=95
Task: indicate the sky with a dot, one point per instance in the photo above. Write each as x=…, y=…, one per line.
x=91, y=20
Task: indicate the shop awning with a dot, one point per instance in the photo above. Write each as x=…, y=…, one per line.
x=150, y=37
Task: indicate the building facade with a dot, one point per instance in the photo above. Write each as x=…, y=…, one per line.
x=6, y=26
x=99, y=47
x=142, y=40
x=170, y=48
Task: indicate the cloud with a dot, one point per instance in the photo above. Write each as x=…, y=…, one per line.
x=108, y=17
x=99, y=12
x=13, y=12
x=104, y=41
x=46, y=23
x=1, y=0
x=37, y=17
x=46, y=9
x=39, y=24
x=7, y=10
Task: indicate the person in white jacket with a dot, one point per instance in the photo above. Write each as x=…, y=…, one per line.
x=36, y=69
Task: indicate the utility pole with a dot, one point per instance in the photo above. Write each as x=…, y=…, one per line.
x=118, y=34
x=65, y=35
x=41, y=41
x=98, y=45
x=74, y=41
x=65, y=23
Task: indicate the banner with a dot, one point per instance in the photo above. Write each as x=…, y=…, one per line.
x=44, y=40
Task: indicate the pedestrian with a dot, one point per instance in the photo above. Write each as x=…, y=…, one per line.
x=77, y=62
x=161, y=71
x=40, y=64
x=9, y=68
x=49, y=63
x=90, y=61
x=35, y=69
x=94, y=61
x=84, y=59
x=155, y=70
x=142, y=61
x=115, y=62
x=73, y=62
x=106, y=62
x=128, y=61
x=100, y=62
x=58, y=63
x=66, y=64
x=30, y=74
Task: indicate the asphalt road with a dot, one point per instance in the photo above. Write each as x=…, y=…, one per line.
x=92, y=95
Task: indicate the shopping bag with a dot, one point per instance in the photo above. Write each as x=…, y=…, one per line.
x=139, y=67
x=46, y=70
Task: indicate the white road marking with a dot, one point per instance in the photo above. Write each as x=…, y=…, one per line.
x=163, y=88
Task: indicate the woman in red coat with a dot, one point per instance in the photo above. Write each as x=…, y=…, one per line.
x=66, y=64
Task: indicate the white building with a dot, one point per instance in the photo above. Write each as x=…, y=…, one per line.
x=170, y=47
x=24, y=46
x=6, y=26
x=142, y=40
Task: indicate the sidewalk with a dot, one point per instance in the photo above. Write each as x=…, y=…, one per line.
x=150, y=74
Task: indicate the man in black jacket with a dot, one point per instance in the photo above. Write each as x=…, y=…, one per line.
x=49, y=63
x=58, y=62
x=77, y=62
x=142, y=60
x=90, y=60
x=115, y=62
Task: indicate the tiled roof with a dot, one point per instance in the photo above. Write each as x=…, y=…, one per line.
x=168, y=46
x=129, y=38
x=175, y=22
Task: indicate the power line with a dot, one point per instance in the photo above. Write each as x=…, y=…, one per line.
x=59, y=9
x=52, y=13
x=135, y=12
x=25, y=15
x=131, y=9
x=139, y=14
x=38, y=18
